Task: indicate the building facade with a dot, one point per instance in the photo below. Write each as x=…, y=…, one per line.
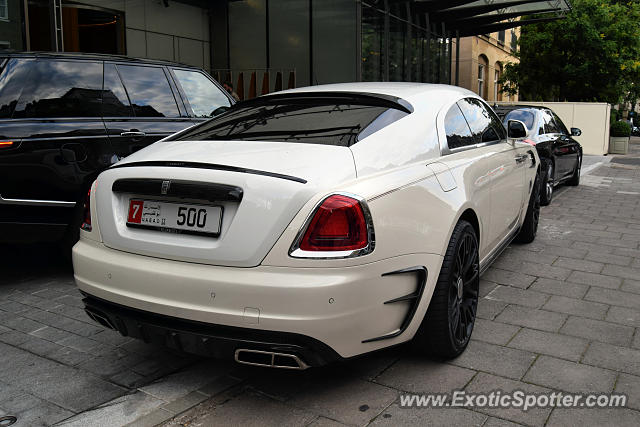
x=482, y=60
x=155, y=29
x=260, y=46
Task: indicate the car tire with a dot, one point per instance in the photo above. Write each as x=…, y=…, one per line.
x=448, y=323
x=546, y=193
x=529, y=229
x=575, y=178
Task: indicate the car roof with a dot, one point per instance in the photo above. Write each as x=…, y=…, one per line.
x=509, y=108
x=403, y=90
x=90, y=57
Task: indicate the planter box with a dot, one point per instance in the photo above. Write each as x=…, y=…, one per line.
x=618, y=145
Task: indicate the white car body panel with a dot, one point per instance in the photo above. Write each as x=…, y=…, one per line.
x=415, y=196
x=296, y=297
x=248, y=230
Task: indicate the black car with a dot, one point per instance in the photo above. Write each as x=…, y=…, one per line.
x=560, y=154
x=66, y=117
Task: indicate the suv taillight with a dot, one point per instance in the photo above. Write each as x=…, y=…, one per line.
x=86, y=223
x=338, y=224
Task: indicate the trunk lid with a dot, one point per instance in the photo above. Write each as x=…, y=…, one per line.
x=274, y=180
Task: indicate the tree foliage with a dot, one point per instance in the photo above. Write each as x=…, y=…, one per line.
x=591, y=55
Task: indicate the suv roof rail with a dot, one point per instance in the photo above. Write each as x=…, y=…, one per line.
x=85, y=55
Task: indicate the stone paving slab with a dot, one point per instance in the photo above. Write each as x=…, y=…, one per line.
x=485, y=382
x=561, y=314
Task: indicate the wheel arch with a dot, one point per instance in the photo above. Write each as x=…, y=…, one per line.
x=471, y=217
x=469, y=214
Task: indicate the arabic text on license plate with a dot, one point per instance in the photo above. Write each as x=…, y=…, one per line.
x=174, y=217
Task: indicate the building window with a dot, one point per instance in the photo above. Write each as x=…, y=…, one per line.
x=4, y=10
x=481, y=71
x=497, y=95
x=483, y=76
x=514, y=41
x=501, y=37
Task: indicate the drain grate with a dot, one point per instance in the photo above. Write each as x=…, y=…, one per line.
x=627, y=160
x=8, y=420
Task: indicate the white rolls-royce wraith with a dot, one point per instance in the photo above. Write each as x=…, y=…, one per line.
x=311, y=225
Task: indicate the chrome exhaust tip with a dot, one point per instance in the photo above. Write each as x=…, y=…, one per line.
x=269, y=359
x=98, y=317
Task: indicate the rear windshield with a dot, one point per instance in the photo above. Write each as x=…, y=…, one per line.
x=306, y=120
x=524, y=116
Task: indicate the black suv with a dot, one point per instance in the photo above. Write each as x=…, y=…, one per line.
x=66, y=117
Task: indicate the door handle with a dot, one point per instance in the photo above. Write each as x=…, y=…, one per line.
x=133, y=134
x=521, y=158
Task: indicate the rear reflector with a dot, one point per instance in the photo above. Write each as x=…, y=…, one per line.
x=338, y=224
x=86, y=224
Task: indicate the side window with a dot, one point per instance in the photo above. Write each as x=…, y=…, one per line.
x=62, y=89
x=149, y=91
x=203, y=95
x=525, y=116
x=484, y=124
x=12, y=80
x=457, y=129
x=561, y=127
x=549, y=124
x=115, y=102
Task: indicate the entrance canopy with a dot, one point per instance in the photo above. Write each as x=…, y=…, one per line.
x=474, y=17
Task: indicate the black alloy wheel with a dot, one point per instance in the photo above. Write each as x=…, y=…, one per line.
x=448, y=323
x=575, y=178
x=463, y=292
x=529, y=227
x=547, y=191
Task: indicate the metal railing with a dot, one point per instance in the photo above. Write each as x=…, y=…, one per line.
x=272, y=80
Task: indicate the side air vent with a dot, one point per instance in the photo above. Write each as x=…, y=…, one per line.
x=413, y=299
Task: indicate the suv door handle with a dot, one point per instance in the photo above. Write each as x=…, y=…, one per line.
x=133, y=134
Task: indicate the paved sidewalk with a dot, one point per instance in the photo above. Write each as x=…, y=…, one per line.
x=562, y=313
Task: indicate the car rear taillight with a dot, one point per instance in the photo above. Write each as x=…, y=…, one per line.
x=341, y=223
x=86, y=223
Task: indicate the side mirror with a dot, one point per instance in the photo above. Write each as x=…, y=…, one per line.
x=219, y=110
x=516, y=129
x=576, y=132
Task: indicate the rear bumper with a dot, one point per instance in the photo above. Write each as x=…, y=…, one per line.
x=205, y=339
x=341, y=308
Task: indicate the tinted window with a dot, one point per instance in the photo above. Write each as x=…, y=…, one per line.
x=561, y=127
x=149, y=91
x=62, y=89
x=114, y=99
x=203, y=96
x=457, y=129
x=381, y=122
x=12, y=80
x=525, y=116
x=484, y=124
x=549, y=124
x=304, y=120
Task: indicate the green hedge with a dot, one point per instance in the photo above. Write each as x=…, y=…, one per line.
x=620, y=129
